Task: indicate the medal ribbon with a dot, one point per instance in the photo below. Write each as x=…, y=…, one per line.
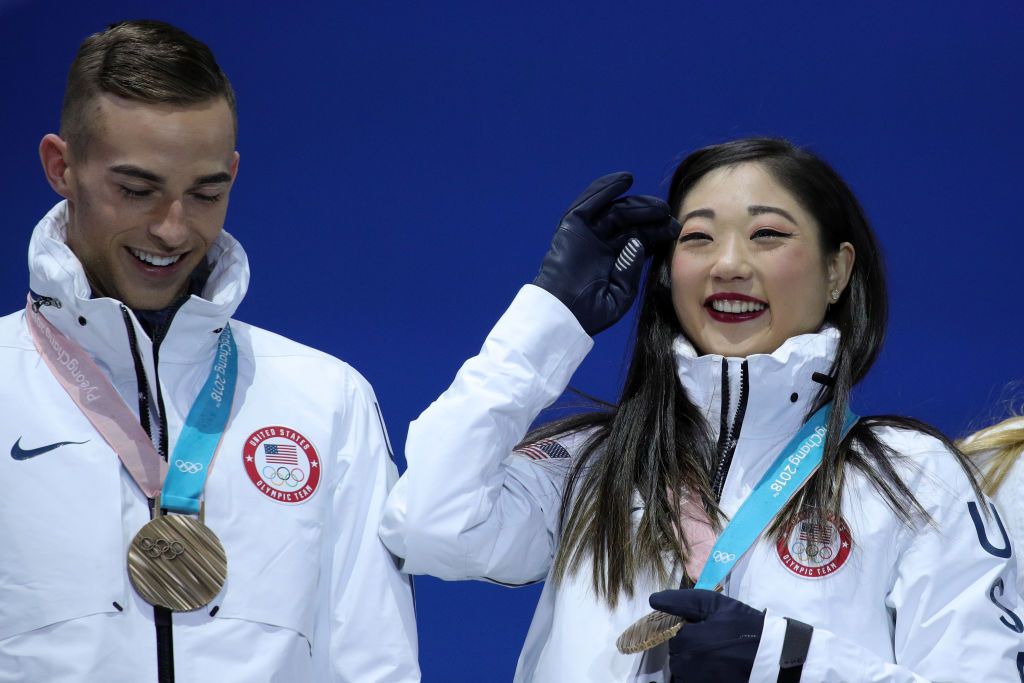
x=200, y=436
x=92, y=392
x=792, y=468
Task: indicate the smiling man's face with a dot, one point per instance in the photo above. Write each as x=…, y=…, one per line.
x=149, y=197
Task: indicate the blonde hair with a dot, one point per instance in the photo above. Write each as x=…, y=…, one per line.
x=998, y=447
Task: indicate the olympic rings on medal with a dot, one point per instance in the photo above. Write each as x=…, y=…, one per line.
x=189, y=467
x=161, y=547
x=720, y=556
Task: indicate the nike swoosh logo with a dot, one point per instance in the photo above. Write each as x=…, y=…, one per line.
x=19, y=453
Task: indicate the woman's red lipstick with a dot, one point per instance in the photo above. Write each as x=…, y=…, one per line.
x=728, y=317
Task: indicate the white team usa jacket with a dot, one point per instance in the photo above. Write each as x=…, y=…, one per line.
x=1010, y=499
x=887, y=602
x=295, y=496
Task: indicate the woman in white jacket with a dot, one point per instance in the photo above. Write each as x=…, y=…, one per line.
x=997, y=450
x=764, y=308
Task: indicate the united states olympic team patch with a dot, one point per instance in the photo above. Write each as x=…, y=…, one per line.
x=282, y=463
x=814, y=551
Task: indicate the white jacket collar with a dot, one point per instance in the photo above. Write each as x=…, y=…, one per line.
x=782, y=384
x=98, y=324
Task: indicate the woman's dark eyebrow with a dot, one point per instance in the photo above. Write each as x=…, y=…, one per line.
x=757, y=210
x=701, y=213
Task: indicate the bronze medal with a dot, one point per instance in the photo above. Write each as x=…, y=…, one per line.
x=176, y=561
x=654, y=629
x=651, y=631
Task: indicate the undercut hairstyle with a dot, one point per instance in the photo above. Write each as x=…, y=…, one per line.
x=146, y=61
x=655, y=444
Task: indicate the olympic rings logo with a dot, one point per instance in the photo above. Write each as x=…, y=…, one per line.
x=161, y=548
x=189, y=467
x=812, y=552
x=719, y=556
x=282, y=476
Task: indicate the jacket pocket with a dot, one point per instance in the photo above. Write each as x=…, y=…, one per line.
x=274, y=560
x=63, y=555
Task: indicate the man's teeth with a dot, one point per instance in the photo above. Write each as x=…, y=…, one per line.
x=729, y=306
x=153, y=259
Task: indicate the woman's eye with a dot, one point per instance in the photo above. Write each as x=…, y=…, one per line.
x=135, y=194
x=769, y=233
x=694, y=236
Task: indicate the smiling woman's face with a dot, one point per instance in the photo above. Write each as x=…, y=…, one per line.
x=748, y=270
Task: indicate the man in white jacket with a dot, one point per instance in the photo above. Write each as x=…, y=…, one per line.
x=269, y=568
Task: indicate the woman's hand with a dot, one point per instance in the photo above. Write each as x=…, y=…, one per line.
x=718, y=641
x=597, y=254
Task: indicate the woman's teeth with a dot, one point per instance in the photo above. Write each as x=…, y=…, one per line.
x=728, y=306
x=153, y=259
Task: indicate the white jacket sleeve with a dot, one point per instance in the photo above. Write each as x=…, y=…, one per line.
x=953, y=603
x=1010, y=500
x=359, y=574
x=466, y=508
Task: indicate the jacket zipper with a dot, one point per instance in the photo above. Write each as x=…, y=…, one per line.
x=39, y=301
x=729, y=432
x=161, y=615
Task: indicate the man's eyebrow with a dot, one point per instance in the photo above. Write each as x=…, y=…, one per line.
x=698, y=213
x=757, y=210
x=143, y=174
x=136, y=172
x=213, y=178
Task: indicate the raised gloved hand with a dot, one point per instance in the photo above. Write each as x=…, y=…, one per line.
x=597, y=254
x=718, y=641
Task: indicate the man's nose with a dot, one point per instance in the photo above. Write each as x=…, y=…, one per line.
x=170, y=227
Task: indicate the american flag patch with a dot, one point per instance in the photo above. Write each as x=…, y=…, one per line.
x=281, y=454
x=543, y=450
x=822, y=534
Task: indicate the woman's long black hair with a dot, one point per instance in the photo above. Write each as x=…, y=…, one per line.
x=655, y=444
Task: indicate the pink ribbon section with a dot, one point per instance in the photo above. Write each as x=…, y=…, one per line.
x=697, y=531
x=96, y=397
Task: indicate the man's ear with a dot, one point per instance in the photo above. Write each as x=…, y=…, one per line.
x=53, y=152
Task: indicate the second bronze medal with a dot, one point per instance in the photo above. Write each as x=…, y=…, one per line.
x=653, y=629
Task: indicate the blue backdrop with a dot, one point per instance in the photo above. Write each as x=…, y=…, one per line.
x=404, y=164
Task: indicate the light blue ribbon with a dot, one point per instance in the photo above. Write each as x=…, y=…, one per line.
x=189, y=464
x=794, y=466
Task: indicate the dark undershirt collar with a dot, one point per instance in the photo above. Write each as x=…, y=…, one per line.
x=156, y=323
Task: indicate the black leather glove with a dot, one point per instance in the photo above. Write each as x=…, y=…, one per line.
x=597, y=254
x=718, y=641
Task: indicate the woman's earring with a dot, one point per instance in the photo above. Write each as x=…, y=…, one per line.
x=835, y=295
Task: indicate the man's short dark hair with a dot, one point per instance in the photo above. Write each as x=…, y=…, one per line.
x=146, y=61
